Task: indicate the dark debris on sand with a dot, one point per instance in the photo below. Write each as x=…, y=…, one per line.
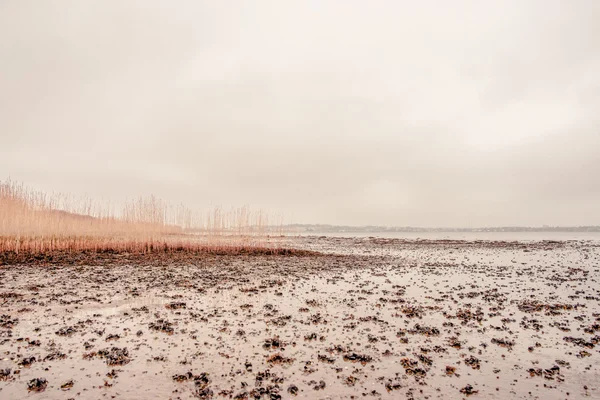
x=366, y=317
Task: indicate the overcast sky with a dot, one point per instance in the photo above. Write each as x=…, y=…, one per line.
x=429, y=113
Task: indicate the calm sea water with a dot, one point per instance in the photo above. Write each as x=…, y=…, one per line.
x=506, y=236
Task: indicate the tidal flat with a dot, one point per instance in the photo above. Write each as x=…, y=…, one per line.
x=350, y=318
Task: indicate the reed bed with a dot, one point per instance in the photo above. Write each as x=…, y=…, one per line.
x=35, y=222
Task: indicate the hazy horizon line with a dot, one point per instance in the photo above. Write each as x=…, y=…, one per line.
x=457, y=228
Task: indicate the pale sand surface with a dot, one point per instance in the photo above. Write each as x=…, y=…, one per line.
x=375, y=318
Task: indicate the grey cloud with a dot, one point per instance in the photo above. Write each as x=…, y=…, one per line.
x=433, y=114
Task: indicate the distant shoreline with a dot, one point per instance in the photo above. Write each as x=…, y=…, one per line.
x=306, y=228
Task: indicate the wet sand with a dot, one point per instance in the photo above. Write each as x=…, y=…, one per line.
x=374, y=318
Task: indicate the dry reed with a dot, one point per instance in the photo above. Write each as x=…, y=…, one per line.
x=35, y=222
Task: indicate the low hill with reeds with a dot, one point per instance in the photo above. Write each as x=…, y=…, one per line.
x=34, y=222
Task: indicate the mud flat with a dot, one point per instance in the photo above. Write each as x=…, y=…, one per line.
x=368, y=318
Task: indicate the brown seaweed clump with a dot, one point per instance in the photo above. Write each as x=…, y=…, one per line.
x=37, y=385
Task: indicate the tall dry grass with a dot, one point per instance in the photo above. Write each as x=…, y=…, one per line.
x=36, y=222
